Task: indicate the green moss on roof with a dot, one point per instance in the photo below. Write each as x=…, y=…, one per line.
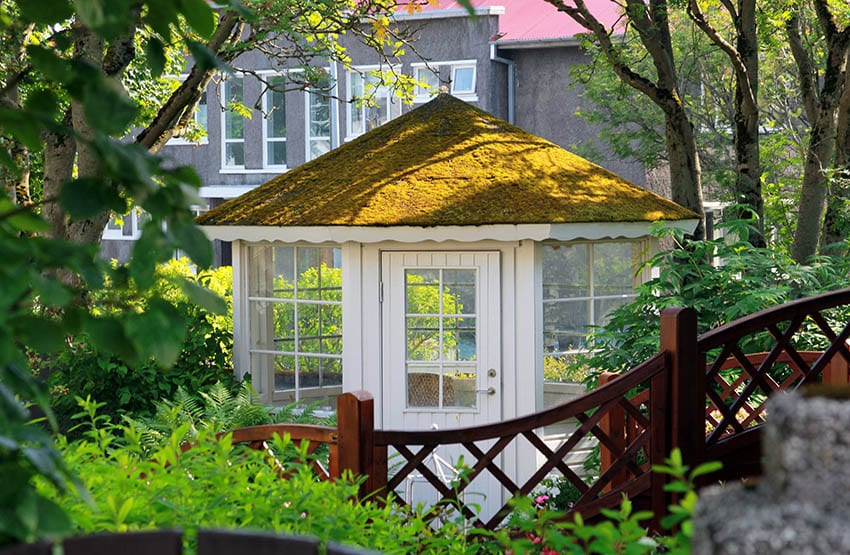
x=445, y=163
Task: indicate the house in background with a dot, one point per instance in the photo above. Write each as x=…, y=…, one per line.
x=512, y=60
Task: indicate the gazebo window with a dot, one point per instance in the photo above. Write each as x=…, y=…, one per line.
x=582, y=283
x=295, y=312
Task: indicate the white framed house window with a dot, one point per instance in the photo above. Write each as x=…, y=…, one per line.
x=126, y=227
x=463, y=80
x=233, y=124
x=318, y=122
x=582, y=284
x=200, y=126
x=274, y=125
x=427, y=82
x=295, y=321
x=380, y=105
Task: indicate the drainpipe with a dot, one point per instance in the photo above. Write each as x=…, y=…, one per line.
x=494, y=57
x=334, y=105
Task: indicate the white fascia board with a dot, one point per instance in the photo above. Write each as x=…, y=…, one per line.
x=464, y=234
x=446, y=14
x=555, y=42
x=227, y=191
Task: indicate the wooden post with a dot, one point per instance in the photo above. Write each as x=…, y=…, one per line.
x=356, y=427
x=687, y=387
x=659, y=426
x=835, y=373
x=613, y=424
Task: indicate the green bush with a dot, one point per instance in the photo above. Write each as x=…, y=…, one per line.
x=132, y=387
x=217, y=484
x=722, y=280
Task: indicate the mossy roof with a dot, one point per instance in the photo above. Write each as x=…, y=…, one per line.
x=445, y=163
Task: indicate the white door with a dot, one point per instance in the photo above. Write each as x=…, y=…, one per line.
x=441, y=331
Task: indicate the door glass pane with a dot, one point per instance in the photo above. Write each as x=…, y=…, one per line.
x=442, y=346
x=423, y=386
x=460, y=386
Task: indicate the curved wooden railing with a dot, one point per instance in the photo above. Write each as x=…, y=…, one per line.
x=485, y=444
x=702, y=394
x=316, y=437
x=797, y=343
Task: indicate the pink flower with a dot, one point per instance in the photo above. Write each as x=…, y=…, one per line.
x=541, y=500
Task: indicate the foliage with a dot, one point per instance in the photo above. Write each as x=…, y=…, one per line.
x=217, y=484
x=538, y=526
x=47, y=278
x=721, y=279
x=213, y=411
x=86, y=370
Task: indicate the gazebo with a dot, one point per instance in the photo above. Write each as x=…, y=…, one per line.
x=447, y=262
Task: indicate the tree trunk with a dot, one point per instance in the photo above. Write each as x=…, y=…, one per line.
x=836, y=225
x=819, y=156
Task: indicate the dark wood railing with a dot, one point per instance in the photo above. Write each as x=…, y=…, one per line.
x=702, y=394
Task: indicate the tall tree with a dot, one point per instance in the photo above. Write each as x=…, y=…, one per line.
x=821, y=92
x=650, y=20
x=743, y=56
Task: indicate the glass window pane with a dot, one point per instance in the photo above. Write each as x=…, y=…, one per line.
x=460, y=386
x=423, y=338
x=318, y=148
x=234, y=154
x=459, y=339
x=613, y=268
x=565, y=271
x=463, y=80
x=430, y=79
x=565, y=324
x=331, y=369
x=459, y=291
x=423, y=291
x=602, y=307
x=277, y=153
x=201, y=112
x=320, y=119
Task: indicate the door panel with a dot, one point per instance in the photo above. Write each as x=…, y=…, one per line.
x=441, y=331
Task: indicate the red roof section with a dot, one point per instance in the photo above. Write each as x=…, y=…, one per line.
x=536, y=20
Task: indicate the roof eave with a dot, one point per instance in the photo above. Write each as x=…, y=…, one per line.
x=552, y=42
x=467, y=234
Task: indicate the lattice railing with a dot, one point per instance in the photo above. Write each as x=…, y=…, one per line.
x=490, y=452
x=781, y=348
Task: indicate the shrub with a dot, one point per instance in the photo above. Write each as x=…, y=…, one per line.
x=217, y=484
x=131, y=387
x=742, y=280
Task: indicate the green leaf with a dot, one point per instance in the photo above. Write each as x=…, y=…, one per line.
x=108, y=18
x=89, y=196
x=107, y=334
x=204, y=58
x=107, y=106
x=50, y=292
x=158, y=331
x=203, y=297
x=160, y=16
x=191, y=239
x=49, y=64
x=151, y=248
x=199, y=15
x=706, y=468
x=28, y=221
x=45, y=11
x=20, y=125
x=155, y=52
x=40, y=334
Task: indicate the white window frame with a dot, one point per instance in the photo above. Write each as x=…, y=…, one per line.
x=267, y=388
x=308, y=138
x=225, y=168
x=421, y=94
x=130, y=219
x=383, y=91
x=641, y=244
x=468, y=95
x=270, y=75
x=182, y=141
